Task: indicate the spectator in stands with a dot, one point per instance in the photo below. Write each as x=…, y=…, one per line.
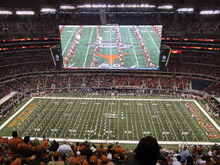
x=146, y=152
x=56, y=159
x=13, y=144
x=64, y=149
x=87, y=151
x=184, y=154
x=176, y=160
x=24, y=148
x=54, y=146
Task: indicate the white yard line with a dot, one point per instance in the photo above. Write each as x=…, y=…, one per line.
x=133, y=48
x=161, y=123
x=39, y=116
x=184, y=117
x=54, y=116
x=180, y=125
x=207, y=115
x=171, y=125
x=149, y=112
x=15, y=114
x=115, y=98
x=78, y=115
x=68, y=42
x=135, y=117
x=122, y=141
x=90, y=38
x=153, y=40
x=70, y=116
x=85, y=119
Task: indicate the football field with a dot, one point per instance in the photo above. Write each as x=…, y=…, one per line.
x=170, y=121
x=111, y=47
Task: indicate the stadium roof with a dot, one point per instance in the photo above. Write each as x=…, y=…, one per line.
x=213, y=4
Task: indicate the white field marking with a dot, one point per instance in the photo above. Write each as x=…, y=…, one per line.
x=72, y=65
x=126, y=120
x=161, y=123
x=70, y=116
x=54, y=116
x=136, y=117
x=90, y=38
x=126, y=141
x=195, y=123
x=114, y=99
x=180, y=125
x=131, y=121
x=207, y=115
x=149, y=112
x=39, y=116
x=93, y=117
x=133, y=66
x=142, y=116
x=78, y=98
x=96, y=115
x=133, y=48
x=102, y=123
x=86, y=118
x=199, y=127
x=153, y=41
x=78, y=115
x=33, y=113
x=15, y=114
x=68, y=42
x=169, y=121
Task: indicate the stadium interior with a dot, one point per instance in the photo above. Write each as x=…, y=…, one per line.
x=41, y=99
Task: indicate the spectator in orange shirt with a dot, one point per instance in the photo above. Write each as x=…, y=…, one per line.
x=45, y=143
x=24, y=148
x=13, y=144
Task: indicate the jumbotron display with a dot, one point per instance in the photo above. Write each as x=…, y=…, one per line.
x=110, y=47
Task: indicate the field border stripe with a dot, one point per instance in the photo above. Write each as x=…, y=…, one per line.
x=15, y=114
x=64, y=50
x=90, y=98
x=125, y=141
x=153, y=40
x=207, y=115
x=90, y=39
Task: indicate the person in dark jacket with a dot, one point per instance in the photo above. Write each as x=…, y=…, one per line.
x=146, y=152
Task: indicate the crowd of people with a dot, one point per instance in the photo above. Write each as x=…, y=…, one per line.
x=56, y=81
x=174, y=24
x=19, y=151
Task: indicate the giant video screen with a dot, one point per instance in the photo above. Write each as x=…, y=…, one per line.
x=110, y=47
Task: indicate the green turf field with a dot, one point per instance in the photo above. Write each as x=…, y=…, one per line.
x=113, y=119
x=111, y=47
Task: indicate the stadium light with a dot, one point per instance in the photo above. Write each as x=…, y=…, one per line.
x=67, y=7
x=92, y=6
x=25, y=12
x=120, y=6
x=209, y=12
x=147, y=6
x=185, y=10
x=131, y=6
x=165, y=7
x=5, y=12
x=111, y=6
x=48, y=10
x=116, y=6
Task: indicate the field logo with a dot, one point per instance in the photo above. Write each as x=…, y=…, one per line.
x=111, y=57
